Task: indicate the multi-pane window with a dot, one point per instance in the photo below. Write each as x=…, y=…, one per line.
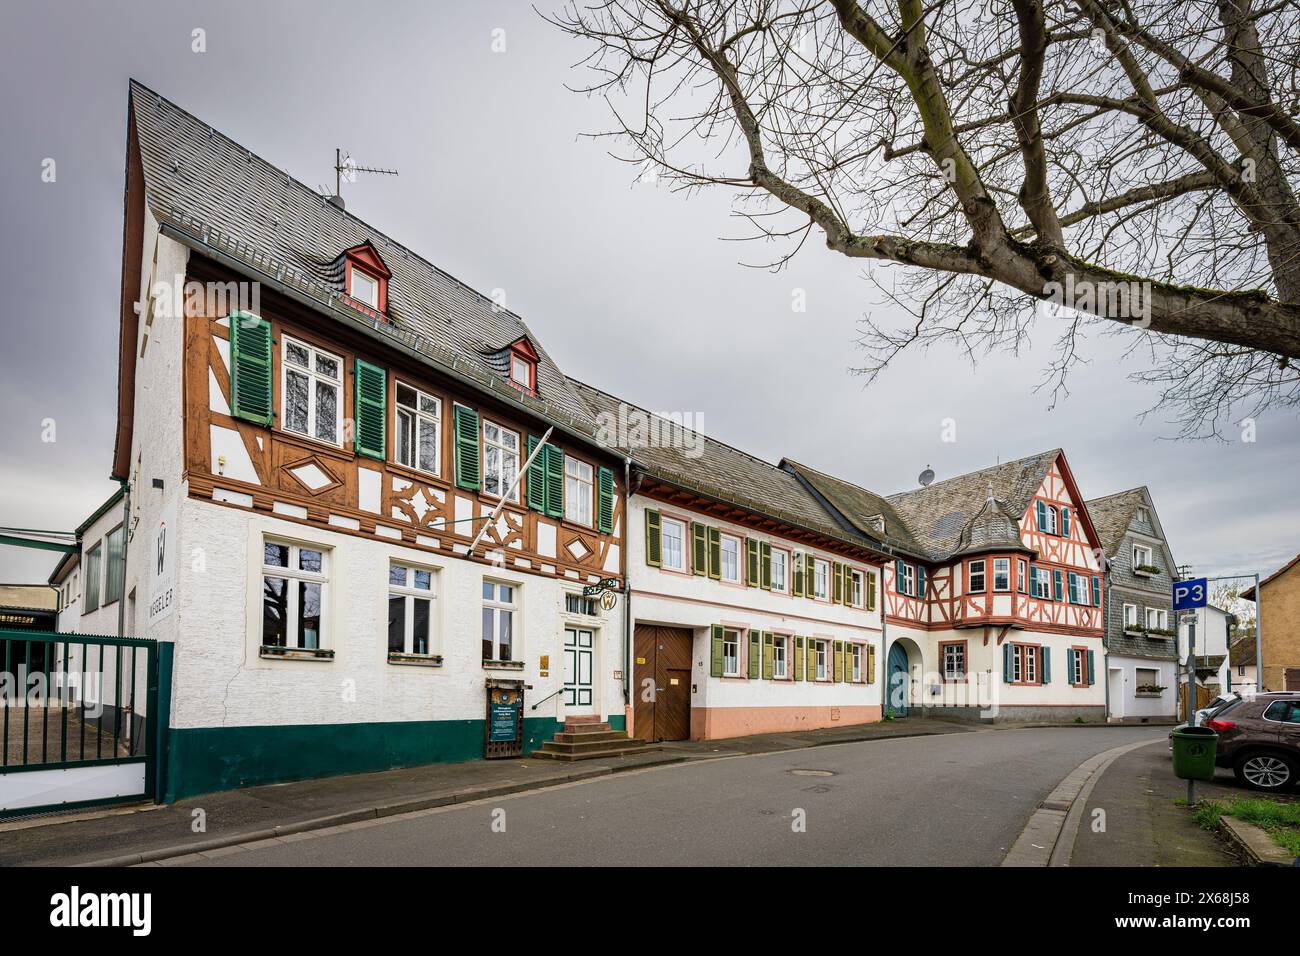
x=855, y=661
x=729, y=568
x=1141, y=556
x=577, y=490
x=1157, y=618
x=977, y=577
x=820, y=649
x=780, y=655
x=1078, y=589
x=1024, y=660
x=93, y=557
x=1041, y=583
x=855, y=588
x=672, y=536
x=1130, y=615
x=1080, y=675
x=293, y=595
x=730, y=653
x=1020, y=575
x=500, y=460
x=365, y=288
x=908, y=583
x=575, y=603
x=780, y=567
x=821, y=580
x=954, y=661
x=411, y=593
x=1002, y=574
x=313, y=388
x=419, y=417
x=114, y=564
x=498, y=621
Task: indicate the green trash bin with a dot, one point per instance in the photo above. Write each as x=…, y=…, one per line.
x=1194, y=749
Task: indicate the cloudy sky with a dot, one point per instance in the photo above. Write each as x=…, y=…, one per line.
x=628, y=285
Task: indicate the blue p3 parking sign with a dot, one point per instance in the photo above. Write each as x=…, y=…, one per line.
x=1190, y=594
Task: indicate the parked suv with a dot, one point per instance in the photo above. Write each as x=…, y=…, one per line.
x=1260, y=740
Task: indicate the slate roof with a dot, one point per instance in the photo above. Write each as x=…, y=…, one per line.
x=866, y=510
x=994, y=528
x=938, y=515
x=720, y=471
x=1241, y=652
x=218, y=195
x=1112, y=514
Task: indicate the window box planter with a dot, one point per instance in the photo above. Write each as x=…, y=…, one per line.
x=296, y=653
x=1160, y=631
x=1146, y=570
x=1149, y=690
x=503, y=665
x=1134, y=630
x=415, y=660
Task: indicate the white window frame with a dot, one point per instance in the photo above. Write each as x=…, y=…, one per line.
x=1130, y=615
x=1140, y=549
x=821, y=655
x=855, y=658
x=784, y=587
x=502, y=610
x=1157, y=618
x=294, y=574
x=1043, y=575
x=579, y=491
x=1080, y=676
x=517, y=361
x=417, y=417
x=909, y=580
x=1022, y=572
x=505, y=452
x=724, y=538
x=821, y=580
x=1138, y=680
x=977, y=570
x=313, y=379
x=1144, y=515
x=1079, y=589
x=664, y=562
x=730, y=662
x=780, y=656
x=1001, y=572
x=956, y=668
x=857, y=587
x=410, y=593
x=1053, y=516
x=1024, y=659
x=373, y=302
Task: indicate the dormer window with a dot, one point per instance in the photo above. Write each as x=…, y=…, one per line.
x=365, y=279
x=522, y=372
x=364, y=288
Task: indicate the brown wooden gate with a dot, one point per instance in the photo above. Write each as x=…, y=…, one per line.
x=662, y=683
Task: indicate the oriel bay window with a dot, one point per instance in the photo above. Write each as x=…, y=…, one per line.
x=977, y=577
x=294, y=581
x=1001, y=574
x=311, y=385
x=419, y=417
x=498, y=623
x=411, y=620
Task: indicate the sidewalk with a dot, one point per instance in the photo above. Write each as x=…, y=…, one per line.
x=1144, y=826
x=240, y=816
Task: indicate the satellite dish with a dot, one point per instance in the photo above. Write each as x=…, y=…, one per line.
x=926, y=477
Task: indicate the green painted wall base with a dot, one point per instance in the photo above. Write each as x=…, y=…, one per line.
x=207, y=759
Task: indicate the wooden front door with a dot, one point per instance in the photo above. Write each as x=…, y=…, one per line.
x=579, y=666
x=663, y=683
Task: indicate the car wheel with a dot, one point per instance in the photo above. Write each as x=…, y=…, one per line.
x=1266, y=771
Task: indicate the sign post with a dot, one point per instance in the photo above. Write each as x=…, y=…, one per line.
x=1189, y=595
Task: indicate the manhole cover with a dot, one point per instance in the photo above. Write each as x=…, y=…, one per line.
x=813, y=773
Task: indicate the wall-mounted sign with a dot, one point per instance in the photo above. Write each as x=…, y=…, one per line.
x=162, y=570
x=608, y=600
x=605, y=584
x=503, y=733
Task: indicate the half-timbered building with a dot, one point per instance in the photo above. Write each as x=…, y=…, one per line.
x=754, y=611
x=324, y=423
x=993, y=599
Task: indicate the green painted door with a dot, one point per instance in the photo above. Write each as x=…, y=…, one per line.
x=899, y=678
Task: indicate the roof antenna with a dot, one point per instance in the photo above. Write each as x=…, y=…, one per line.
x=926, y=477
x=346, y=168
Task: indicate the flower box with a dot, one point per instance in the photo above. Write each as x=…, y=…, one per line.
x=1146, y=570
x=272, y=652
x=415, y=660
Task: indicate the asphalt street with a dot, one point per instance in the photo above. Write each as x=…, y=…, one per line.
x=959, y=799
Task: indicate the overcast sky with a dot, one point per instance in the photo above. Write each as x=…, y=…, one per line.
x=628, y=286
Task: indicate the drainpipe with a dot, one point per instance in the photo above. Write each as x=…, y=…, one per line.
x=1105, y=632
x=627, y=585
x=884, y=647
x=126, y=531
x=1259, y=650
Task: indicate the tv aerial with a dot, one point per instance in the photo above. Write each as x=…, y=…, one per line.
x=346, y=169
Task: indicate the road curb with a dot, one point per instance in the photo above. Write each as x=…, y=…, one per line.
x=1058, y=815
x=1255, y=843
x=415, y=804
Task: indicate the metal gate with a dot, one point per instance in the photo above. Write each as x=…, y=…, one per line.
x=84, y=720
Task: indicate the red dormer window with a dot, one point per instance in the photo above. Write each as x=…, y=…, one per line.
x=523, y=366
x=365, y=279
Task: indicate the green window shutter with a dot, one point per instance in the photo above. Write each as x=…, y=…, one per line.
x=769, y=655
x=1045, y=665
x=1069, y=665
x=371, y=410
x=605, y=501
x=1070, y=586
x=715, y=553
x=699, y=548
x=796, y=574
x=537, y=478
x=715, y=664
x=554, y=481
x=1065, y=521
x=1040, y=515
x=1056, y=584
x=920, y=582
x=250, y=368
x=751, y=565
x=468, y=459
x=810, y=670
x=796, y=657
x=1091, y=676
x=765, y=577
x=1096, y=591
x=1008, y=673
x=837, y=583
x=653, y=539
x=755, y=653
x=839, y=662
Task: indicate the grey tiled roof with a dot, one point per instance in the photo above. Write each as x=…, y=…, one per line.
x=196, y=174
x=1111, y=516
x=939, y=514
x=994, y=528
x=1242, y=651
x=720, y=471
x=868, y=511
